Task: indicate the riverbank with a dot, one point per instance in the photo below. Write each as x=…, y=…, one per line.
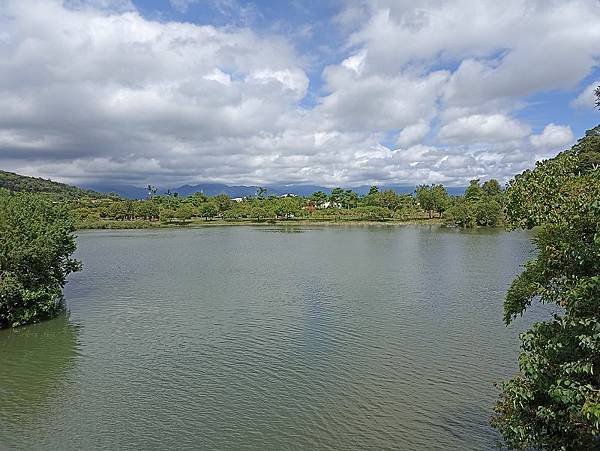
x=113, y=224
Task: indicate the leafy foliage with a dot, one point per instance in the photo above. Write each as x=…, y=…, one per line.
x=482, y=205
x=554, y=403
x=433, y=198
x=36, y=243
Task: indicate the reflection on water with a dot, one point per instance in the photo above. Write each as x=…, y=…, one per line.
x=228, y=337
x=35, y=362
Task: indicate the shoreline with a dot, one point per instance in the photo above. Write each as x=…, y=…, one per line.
x=139, y=225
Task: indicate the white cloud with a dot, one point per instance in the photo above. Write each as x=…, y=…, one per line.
x=587, y=98
x=479, y=128
x=91, y=89
x=413, y=133
x=553, y=137
x=293, y=80
x=378, y=103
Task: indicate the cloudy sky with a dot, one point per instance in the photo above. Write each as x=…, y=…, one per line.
x=329, y=92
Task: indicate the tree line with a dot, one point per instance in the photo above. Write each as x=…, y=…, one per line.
x=482, y=205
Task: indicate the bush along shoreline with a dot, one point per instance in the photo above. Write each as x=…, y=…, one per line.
x=36, y=247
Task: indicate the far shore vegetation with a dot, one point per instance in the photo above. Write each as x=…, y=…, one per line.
x=481, y=206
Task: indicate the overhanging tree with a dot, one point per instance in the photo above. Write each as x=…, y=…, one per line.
x=554, y=402
x=36, y=244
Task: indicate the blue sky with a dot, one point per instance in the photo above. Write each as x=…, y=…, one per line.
x=325, y=92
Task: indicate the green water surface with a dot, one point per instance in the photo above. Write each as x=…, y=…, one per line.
x=348, y=337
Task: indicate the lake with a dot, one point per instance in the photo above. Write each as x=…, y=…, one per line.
x=338, y=337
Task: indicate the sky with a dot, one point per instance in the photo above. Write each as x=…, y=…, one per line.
x=327, y=92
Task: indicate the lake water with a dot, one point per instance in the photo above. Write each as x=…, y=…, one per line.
x=349, y=337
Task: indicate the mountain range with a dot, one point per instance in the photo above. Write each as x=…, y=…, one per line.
x=212, y=189
x=16, y=182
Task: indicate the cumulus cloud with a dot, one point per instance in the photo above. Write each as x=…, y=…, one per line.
x=480, y=128
x=505, y=49
x=378, y=103
x=587, y=98
x=93, y=90
x=553, y=137
x=413, y=133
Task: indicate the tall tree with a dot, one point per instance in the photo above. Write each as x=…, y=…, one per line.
x=425, y=199
x=337, y=196
x=318, y=197
x=350, y=198
x=554, y=403
x=491, y=187
x=474, y=192
x=440, y=198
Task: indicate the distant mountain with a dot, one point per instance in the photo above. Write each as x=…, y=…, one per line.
x=212, y=189
x=22, y=183
x=127, y=191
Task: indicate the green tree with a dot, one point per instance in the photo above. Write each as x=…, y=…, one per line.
x=474, y=192
x=167, y=214
x=554, y=403
x=388, y=199
x=260, y=212
x=350, y=199
x=425, y=199
x=117, y=210
x=223, y=202
x=491, y=187
x=461, y=213
x=318, y=197
x=487, y=212
x=233, y=214
x=373, y=190
x=36, y=244
x=197, y=199
x=208, y=210
x=147, y=210
x=588, y=150
x=184, y=212
x=288, y=208
x=337, y=196
x=440, y=199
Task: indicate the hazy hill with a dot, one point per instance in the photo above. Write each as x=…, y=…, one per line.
x=16, y=182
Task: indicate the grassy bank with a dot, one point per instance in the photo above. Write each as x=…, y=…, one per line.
x=114, y=224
